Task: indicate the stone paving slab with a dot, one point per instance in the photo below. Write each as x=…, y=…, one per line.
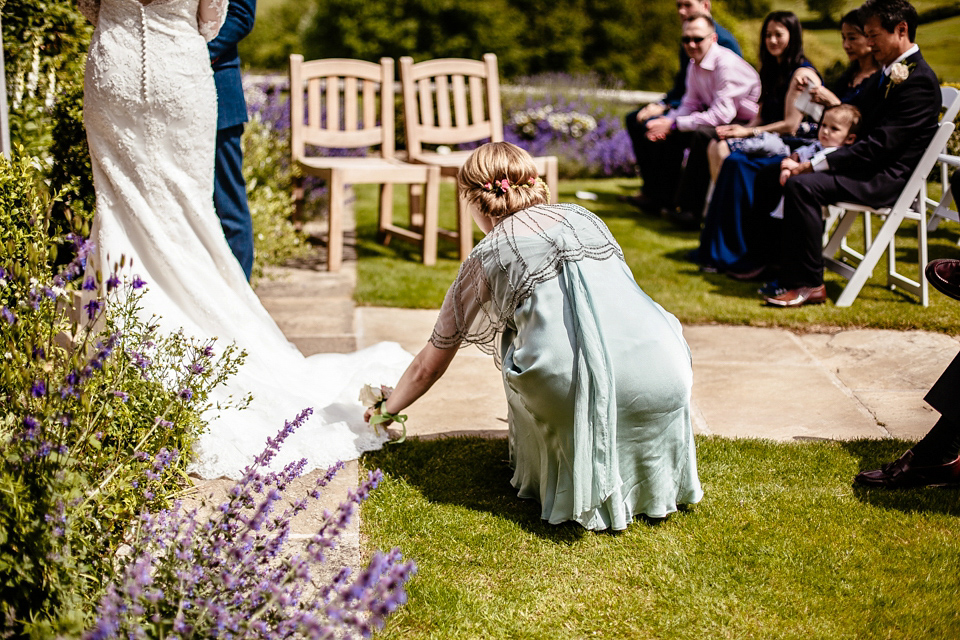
x=467, y=400
x=748, y=381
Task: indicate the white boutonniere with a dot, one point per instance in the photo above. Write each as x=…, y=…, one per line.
x=898, y=73
x=374, y=398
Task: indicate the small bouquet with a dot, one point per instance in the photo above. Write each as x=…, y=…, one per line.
x=374, y=398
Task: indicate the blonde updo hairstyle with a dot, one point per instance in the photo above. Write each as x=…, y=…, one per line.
x=480, y=180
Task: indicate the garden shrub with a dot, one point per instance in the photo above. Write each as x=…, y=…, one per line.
x=587, y=135
x=226, y=575
x=95, y=405
x=633, y=41
x=99, y=412
x=44, y=47
x=267, y=171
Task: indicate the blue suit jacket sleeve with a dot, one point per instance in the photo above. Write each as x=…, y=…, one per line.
x=239, y=23
x=232, y=109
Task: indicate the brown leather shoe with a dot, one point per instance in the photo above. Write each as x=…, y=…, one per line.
x=901, y=474
x=797, y=297
x=944, y=275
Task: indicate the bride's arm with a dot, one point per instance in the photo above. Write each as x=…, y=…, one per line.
x=426, y=368
x=211, y=14
x=90, y=10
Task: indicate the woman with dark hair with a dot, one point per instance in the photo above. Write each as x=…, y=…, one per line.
x=863, y=66
x=784, y=69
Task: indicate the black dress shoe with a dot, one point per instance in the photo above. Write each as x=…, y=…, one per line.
x=944, y=275
x=903, y=474
x=642, y=202
x=748, y=275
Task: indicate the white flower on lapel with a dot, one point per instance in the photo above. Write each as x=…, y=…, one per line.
x=898, y=73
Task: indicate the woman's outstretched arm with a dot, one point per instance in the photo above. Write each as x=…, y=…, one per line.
x=427, y=367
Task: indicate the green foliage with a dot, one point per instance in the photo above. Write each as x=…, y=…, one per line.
x=267, y=171
x=277, y=33
x=826, y=9
x=94, y=406
x=631, y=40
x=71, y=174
x=748, y=8
x=44, y=46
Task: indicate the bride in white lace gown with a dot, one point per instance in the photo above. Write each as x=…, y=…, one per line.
x=150, y=109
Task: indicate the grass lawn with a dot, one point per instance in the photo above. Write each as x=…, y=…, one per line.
x=655, y=251
x=780, y=547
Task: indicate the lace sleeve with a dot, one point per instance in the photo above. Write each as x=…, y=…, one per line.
x=90, y=9
x=502, y=271
x=211, y=14
x=461, y=311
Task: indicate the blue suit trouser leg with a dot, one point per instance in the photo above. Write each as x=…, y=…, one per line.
x=230, y=196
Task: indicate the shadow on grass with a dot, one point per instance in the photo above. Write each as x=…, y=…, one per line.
x=469, y=472
x=873, y=454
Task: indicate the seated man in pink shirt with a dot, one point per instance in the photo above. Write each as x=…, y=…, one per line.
x=722, y=88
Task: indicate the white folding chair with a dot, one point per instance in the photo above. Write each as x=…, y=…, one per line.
x=940, y=210
x=910, y=205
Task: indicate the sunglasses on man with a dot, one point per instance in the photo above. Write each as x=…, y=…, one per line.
x=693, y=39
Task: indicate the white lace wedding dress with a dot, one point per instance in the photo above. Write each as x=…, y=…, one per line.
x=150, y=109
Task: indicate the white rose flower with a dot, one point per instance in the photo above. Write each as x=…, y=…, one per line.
x=899, y=72
x=370, y=395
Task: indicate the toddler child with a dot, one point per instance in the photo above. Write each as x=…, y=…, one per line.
x=838, y=128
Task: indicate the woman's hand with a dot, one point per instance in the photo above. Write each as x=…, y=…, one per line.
x=725, y=131
x=369, y=414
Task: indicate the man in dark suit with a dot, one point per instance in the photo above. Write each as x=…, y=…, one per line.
x=935, y=460
x=659, y=180
x=229, y=188
x=894, y=134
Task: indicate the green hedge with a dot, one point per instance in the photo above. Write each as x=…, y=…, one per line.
x=630, y=40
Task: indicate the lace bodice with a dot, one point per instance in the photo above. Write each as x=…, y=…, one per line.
x=502, y=271
x=209, y=14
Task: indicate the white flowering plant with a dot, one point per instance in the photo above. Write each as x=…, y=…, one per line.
x=374, y=398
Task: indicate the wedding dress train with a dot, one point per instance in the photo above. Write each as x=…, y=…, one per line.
x=150, y=110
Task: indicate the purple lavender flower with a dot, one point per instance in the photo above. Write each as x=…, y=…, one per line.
x=113, y=282
x=137, y=282
x=92, y=308
x=90, y=284
x=186, y=393
x=8, y=315
x=196, y=367
x=39, y=389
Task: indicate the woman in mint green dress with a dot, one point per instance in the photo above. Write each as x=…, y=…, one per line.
x=597, y=375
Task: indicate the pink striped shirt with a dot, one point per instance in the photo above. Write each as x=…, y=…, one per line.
x=723, y=88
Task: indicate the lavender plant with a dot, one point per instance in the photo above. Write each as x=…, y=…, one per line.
x=564, y=115
x=90, y=396
x=227, y=575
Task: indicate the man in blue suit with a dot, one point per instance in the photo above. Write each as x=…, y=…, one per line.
x=229, y=188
